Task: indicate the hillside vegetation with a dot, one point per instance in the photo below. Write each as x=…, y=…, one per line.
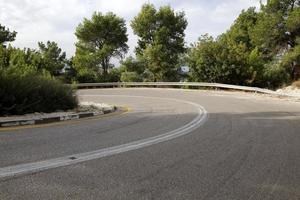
x=261, y=48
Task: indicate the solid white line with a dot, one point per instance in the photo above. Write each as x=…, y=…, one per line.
x=28, y=168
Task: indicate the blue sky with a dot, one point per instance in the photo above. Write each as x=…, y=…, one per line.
x=56, y=20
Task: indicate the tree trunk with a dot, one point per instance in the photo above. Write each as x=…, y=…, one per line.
x=105, y=65
x=293, y=72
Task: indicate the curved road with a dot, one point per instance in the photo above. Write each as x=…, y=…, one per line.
x=172, y=144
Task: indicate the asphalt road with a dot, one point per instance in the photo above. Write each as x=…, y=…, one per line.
x=172, y=144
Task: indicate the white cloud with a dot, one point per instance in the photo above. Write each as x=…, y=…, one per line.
x=56, y=20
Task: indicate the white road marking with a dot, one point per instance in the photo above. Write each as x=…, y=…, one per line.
x=16, y=170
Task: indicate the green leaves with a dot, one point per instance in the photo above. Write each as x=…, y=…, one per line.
x=133, y=65
x=28, y=94
x=161, y=39
x=259, y=49
x=99, y=39
x=144, y=24
x=293, y=21
x=53, y=57
x=6, y=35
x=130, y=77
x=205, y=60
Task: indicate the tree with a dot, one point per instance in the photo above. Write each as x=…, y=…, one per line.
x=161, y=39
x=231, y=57
x=54, y=58
x=6, y=35
x=205, y=62
x=131, y=64
x=237, y=49
x=271, y=32
x=22, y=62
x=260, y=48
x=239, y=32
x=276, y=32
x=99, y=39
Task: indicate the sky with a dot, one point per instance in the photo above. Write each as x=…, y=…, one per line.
x=56, y=20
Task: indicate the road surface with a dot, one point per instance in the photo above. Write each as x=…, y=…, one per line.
x=171, y=144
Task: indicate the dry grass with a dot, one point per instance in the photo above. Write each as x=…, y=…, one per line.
x=296, y=84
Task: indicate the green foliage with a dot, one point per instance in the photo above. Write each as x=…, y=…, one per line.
x=260, y=48
x=47, y=61
x=293, y=56
x=21, y=62
x=239, y=31
x=52, y=56
x=26, y=84
x=280, y=6
x=274, y=76
x=156, y=59
x=204, y=61
x=131, y=64
x=28, y=94
x=269, y=32
x=148, y=76
x=114, y=75
x=130, y=77
x=135, y=69
x=293, y=21
x=99, y=39
x=231, y=58
x=256, y=67
x=291, y=61
x=161, y=39
x=4, y=57
x=234, y=59
x=228, y=59
x=275, y=26
x=86, y=75
x=6, y=35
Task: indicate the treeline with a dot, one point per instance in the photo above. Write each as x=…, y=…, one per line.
x=27, y=78
x=161, y=42
x=261, y=48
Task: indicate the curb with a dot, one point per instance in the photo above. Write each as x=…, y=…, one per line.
x=46, y=120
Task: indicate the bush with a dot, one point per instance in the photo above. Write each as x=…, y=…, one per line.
x=130, y=77
x=86, y=76
x=114, y=75
x=28, y=94
x=275, y=76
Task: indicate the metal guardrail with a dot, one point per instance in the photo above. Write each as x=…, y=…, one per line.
x=181, y=84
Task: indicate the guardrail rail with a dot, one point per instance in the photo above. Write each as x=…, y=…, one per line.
x=182, y=84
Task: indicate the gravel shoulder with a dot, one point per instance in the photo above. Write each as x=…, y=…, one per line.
x=290, y=90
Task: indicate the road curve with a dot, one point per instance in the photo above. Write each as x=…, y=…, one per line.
x=173, y=144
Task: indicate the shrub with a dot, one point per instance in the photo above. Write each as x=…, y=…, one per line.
x=275, y=76
x=114, y=75
x=130, y=77
x=86, y=76
x=28, y=94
